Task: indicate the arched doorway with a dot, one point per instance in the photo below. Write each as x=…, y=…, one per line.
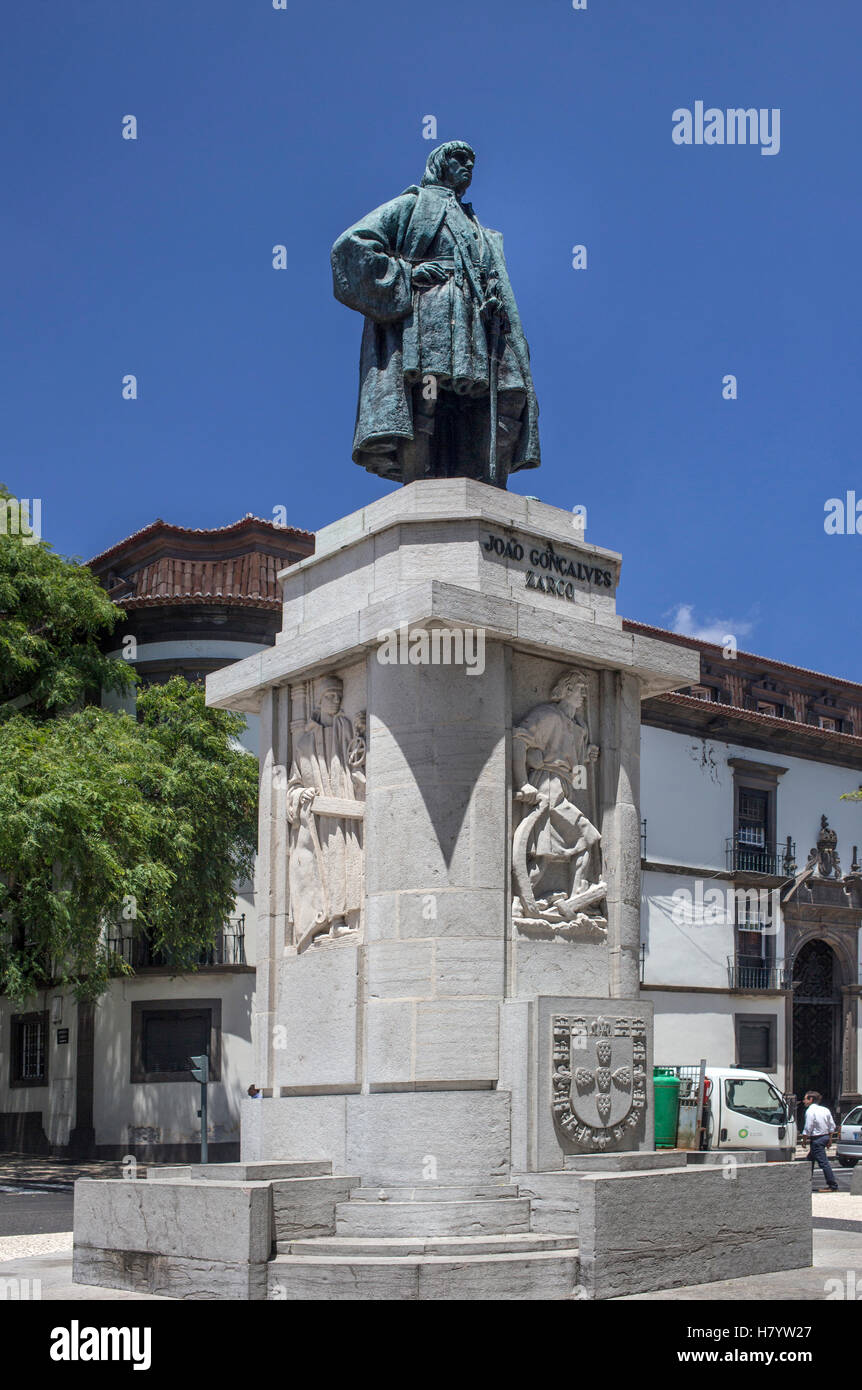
x=816, y=1017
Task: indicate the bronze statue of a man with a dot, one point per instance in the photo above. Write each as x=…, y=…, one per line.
x=445, y=388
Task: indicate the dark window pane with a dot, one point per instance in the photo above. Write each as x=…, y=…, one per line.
x=32, y=1043
x=171, y=1039
x=754, y=1046
x=29, y=1054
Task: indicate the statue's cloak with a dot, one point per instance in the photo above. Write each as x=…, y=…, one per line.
x=372, y=264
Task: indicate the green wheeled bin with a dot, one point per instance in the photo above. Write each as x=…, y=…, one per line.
x=666, y=1084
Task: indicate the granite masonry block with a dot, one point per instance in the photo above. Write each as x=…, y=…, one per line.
x=224, y=1222
x=658, y=1230
x=440, y=1136
x=457, y=1040
x=389, y=1041
x=317, y=1010
x=400, y=969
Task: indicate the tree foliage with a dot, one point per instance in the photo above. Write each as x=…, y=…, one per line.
x=52, y=614
x=105, y=819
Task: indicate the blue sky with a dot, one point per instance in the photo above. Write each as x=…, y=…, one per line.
x=258, y=126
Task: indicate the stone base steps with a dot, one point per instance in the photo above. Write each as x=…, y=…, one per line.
x=455, y=1241
x=240, y=1172
x=516, y=1242
x=553, y=1235
x=433, y=1217
x=434, y=1192
x=514, y=1275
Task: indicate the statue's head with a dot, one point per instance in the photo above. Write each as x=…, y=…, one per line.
x=451, y=164
x=572, y=687
x=329, y=695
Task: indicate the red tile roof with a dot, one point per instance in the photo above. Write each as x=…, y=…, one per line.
x=237, y=564
x=166, y=530
x=247, y=579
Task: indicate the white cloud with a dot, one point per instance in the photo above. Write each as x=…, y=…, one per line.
x=715, y=630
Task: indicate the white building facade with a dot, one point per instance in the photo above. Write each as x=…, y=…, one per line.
x=750, y=919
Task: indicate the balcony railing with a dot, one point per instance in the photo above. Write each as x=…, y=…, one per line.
x=760, y=859
x=227, y=949
x=751, y=972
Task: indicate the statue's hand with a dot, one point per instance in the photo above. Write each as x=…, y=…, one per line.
x=592, y=752
x=307, y=796
x=430, y=273
x=492, y=306
x=528, y=794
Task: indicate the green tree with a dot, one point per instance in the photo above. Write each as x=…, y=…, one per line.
x=105, y=818
x=53, y=613
x=201, y=786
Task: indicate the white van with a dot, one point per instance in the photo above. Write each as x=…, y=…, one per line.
x=747, y=1111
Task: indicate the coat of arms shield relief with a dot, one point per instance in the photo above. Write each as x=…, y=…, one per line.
x=598, y=1077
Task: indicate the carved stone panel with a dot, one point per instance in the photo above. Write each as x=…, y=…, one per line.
x=558, y=884
x=598, y=1078
x=325, y=813
x=594, y=1072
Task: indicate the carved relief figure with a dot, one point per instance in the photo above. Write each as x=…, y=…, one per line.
x=556, y=852
x=325, y=807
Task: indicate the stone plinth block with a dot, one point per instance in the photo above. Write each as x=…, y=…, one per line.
x=657, y=1230
x=307, y=1206
x=180, y=1238
x=442, y=644
x=210, y=1220
x=239, y=1172
x=398, y=1136
x=463, y=552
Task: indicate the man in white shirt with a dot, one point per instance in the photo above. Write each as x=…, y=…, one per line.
x=819, y=1128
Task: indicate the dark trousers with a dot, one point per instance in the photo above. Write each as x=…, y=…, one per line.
x=451, y=434
x=817, y=1154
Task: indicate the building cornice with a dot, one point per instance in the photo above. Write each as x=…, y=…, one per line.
x=161, y=533
x=717, y=653
x=749, y=728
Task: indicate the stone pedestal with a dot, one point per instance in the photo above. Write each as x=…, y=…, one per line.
x=456, y=1066
x=416, y=1037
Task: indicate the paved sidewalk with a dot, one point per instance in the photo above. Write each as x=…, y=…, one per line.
x=21, y=1247
x=841, y=1206
x=29, y=1170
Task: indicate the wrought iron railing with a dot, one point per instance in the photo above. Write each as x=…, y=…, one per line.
x=759, y=859
x=754, y=973
x=139, y=952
